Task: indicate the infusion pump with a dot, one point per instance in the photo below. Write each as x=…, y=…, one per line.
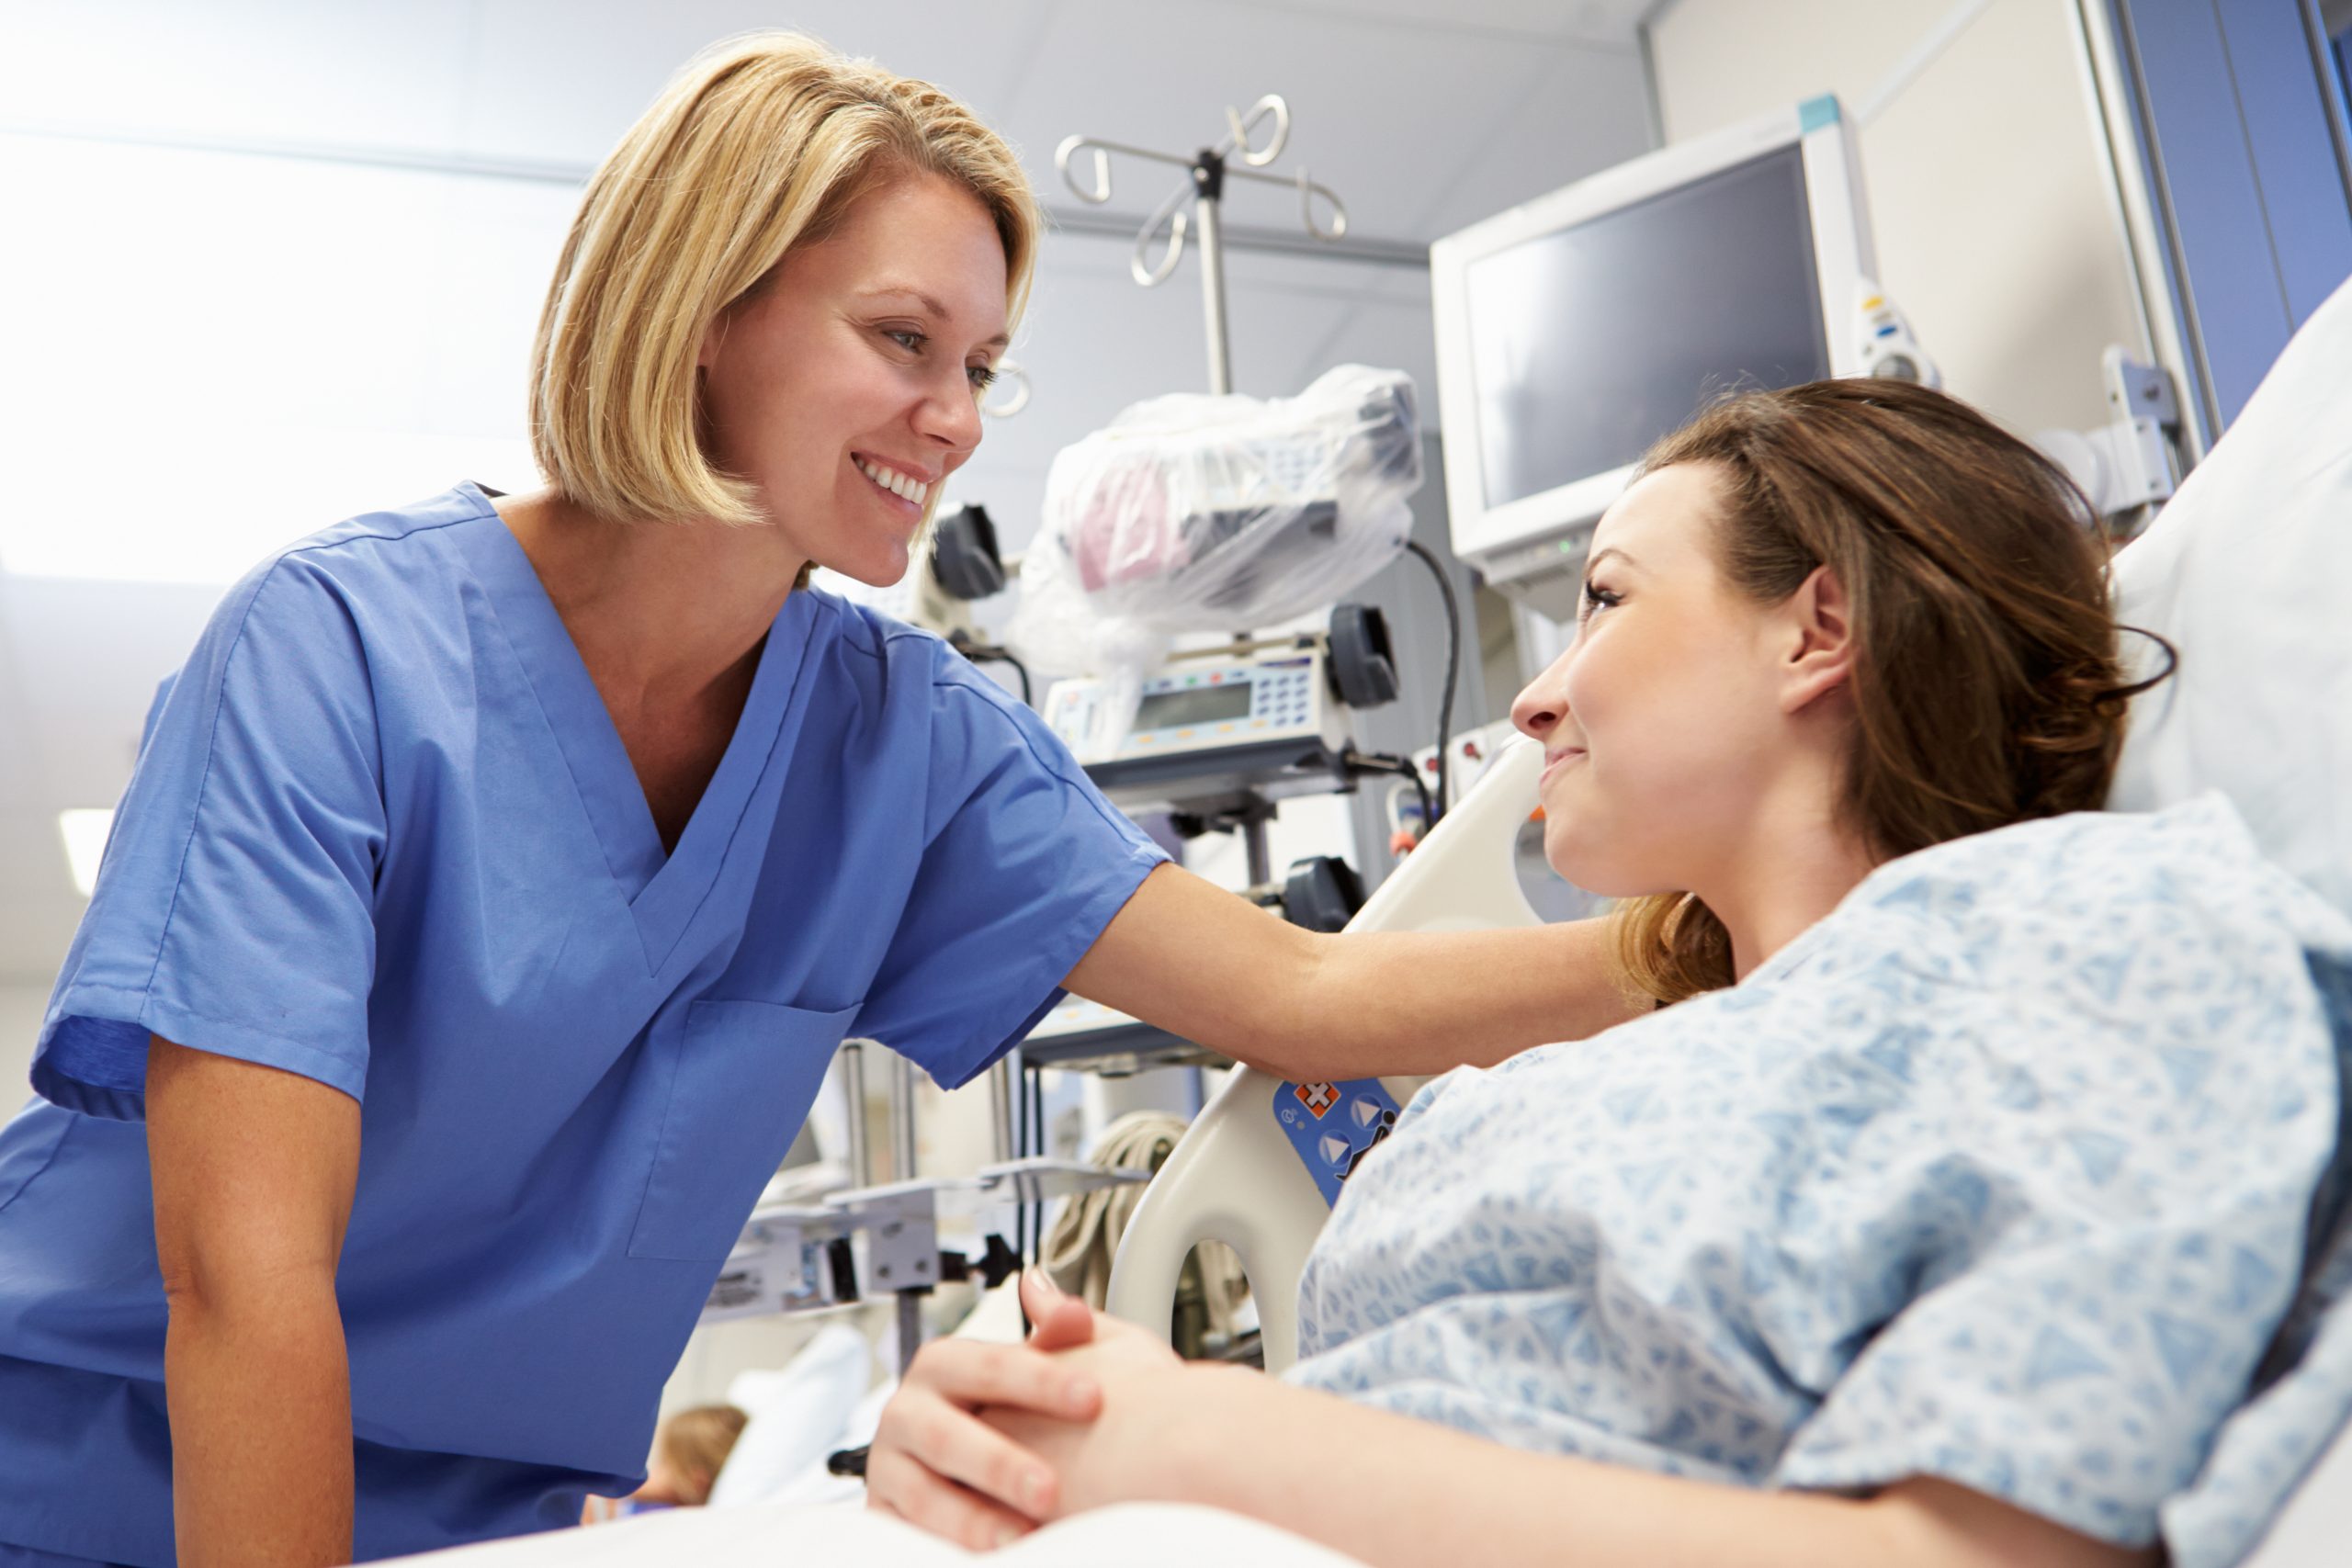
x=1223, y=719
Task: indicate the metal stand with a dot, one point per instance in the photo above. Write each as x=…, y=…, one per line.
x=902, y=1118
x=1205, y=172
x=1000, y=1105
x=804, y=1258
x=861, y=1158
x=1246, y=813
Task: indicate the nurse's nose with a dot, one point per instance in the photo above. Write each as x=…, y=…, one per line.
x=1538, y=709
x=949, y=416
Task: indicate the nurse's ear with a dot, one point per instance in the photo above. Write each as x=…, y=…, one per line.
x=714, y=338
x=1818, y=637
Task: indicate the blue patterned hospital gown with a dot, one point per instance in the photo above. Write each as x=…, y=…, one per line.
x=2002, y=1173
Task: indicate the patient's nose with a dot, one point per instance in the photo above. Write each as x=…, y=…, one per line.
x=1539, y=709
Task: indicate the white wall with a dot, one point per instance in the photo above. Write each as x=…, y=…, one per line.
x=21, y=1006
x=1987, y=186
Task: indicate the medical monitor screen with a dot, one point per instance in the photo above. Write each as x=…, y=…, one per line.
x=1590, y=343
x=1195, y=704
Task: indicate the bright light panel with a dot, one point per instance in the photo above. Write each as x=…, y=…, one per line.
x=86, y=829
x=219, y=355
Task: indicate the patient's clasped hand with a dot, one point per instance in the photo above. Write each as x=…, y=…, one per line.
x=1947, y=1203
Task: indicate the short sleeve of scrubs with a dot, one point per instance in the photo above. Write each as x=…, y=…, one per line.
x=1023, y=865
x=233, y=911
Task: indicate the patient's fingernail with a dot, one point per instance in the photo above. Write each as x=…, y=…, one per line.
x=1081, y=1390
x=1033, y=1493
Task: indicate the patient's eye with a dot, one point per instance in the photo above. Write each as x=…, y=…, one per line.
x=1596, y=597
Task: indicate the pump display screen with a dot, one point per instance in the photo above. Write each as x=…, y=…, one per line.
x=1193, y=704
x=1590, y=343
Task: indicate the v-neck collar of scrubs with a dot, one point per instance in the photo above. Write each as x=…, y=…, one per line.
x=663, y=889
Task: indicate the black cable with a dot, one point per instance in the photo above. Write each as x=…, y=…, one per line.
x=990, y=653
x=1022, y=670
x=1379, y=763
x=1453, y=671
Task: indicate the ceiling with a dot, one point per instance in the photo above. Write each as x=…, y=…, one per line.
x=1424, y=115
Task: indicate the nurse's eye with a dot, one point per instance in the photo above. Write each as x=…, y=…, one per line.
x=906, y=338
x=982, y=377
x=1597, y=598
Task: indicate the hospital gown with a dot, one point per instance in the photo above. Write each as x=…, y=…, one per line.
x=2002, y=1172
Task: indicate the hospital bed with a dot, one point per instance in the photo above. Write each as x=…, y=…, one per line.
x=2249, y=571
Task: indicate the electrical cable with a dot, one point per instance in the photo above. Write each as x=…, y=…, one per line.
x=990, y=653
x=1453, y=671
x=1380, y=763
x=1028, y=698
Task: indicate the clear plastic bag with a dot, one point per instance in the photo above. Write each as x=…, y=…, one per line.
x=1198, y=513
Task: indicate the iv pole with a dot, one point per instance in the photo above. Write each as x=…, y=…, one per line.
x=1205, y=173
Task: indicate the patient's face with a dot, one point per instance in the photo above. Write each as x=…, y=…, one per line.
x=1661, y=723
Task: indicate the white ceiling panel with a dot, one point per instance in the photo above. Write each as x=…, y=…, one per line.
x=559, y=80
x=357, y=73
x=1607, y=24
x=1580, y=114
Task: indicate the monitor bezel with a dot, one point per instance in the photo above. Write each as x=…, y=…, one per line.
x=1843, y=261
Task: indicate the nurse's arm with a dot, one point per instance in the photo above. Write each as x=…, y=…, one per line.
x=1191, y=957
x=254, y=1173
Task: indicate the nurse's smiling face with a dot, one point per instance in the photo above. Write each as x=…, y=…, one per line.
x=1665, y=725
x=846, y=386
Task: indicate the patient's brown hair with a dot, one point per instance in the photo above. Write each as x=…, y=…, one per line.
x=1986, y=687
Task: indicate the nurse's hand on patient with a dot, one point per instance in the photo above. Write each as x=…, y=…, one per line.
x=936, y=1465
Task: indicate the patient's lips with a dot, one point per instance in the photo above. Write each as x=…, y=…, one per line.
x=1557, y=757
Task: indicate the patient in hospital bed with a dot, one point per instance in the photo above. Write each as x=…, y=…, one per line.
x=1951, y=1195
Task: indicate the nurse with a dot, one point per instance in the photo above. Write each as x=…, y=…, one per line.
x=500, y=872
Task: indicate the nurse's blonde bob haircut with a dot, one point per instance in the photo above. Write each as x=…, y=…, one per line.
x=761, y=144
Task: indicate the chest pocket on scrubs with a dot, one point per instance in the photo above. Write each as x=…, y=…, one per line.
x=742, y=1076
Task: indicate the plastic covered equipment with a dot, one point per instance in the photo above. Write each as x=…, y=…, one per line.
x=1193, y=514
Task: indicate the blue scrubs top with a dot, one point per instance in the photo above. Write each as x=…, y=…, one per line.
x=382, y=833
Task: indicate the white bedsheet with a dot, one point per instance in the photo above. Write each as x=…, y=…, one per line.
x=1135, y=1535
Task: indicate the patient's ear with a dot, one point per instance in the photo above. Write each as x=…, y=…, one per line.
x=1821, y=646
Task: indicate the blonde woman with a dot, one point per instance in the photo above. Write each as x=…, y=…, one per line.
x=500, y=871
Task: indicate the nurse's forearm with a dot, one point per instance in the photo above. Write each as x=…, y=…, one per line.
x=259, y=1389
x=1206, y=965
x=1413, y=1003
x=254, y=1172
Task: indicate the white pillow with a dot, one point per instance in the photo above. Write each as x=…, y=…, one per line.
x=2248, y=572
x=797, y=1414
